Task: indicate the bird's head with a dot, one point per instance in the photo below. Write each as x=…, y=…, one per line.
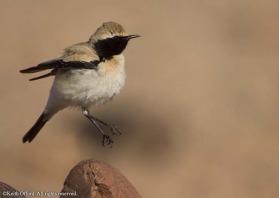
x=110, y=39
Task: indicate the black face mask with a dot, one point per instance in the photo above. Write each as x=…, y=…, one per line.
x=112, y=46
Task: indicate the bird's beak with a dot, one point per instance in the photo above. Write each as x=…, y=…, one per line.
x=132, y=36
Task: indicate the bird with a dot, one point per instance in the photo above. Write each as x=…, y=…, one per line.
x=87, y=74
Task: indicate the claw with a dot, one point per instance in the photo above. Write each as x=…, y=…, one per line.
x=107, y=140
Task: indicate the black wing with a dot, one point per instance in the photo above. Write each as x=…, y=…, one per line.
x=59, y=64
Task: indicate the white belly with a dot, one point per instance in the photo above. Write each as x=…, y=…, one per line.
x=84, y=88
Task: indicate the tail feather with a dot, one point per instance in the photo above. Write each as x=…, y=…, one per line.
x=33, y=132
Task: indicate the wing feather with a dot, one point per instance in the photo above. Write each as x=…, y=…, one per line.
x=59, y=64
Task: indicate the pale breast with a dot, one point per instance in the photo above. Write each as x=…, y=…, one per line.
x=90, y=87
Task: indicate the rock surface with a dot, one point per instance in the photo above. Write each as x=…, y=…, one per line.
x=92, y=178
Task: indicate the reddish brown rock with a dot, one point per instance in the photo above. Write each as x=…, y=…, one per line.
x=8, y=191
x=95, y=179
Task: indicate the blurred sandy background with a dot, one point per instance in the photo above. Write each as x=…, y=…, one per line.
x=199, y=112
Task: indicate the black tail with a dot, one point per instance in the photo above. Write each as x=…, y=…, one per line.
x=31, y=134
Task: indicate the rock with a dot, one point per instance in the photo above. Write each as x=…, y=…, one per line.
x=95, y=179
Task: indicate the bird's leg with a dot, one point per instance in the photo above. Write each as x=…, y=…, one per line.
x=114, y=130
x=106, y=138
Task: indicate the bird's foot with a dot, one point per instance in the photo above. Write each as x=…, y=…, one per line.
x=107, y=140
